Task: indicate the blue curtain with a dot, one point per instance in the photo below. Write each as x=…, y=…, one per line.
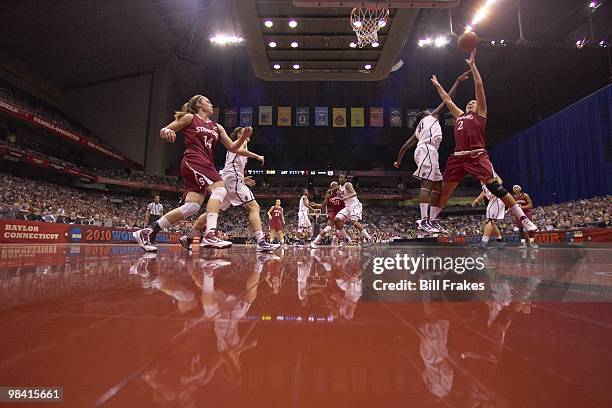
x=566, y=156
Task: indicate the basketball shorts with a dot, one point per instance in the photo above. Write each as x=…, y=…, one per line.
x=238, y=193
x=496, y=209
x=198, y=175
x=477, y=164
x=303, y=220
x=352, y=213
x=427, y=160
x=276, y=224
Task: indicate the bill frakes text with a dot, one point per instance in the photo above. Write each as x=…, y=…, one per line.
x=427, y=284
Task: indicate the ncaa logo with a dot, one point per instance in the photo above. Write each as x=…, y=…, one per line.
x=75, y=234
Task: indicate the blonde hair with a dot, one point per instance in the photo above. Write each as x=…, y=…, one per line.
x=236, y=133
x=189, y=107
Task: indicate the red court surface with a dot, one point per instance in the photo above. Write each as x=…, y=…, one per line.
x=229, y=328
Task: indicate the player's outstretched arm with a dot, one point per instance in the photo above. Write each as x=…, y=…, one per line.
x=400, y=156
x=251, y=155
x=168, y=133
x=529, y=204
x=478, y=199
x=454, y=110
x=231, y=145
x=453, y=91
x=481, y=99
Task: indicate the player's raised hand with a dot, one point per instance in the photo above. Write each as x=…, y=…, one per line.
x=434, y=80
x=475, y=203
x=248, y=131
x=396, y=164
x=472, y=60
x=464, y=76
x=168, y=135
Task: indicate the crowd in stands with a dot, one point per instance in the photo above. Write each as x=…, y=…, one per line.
x=47, y=112
x=35, y=200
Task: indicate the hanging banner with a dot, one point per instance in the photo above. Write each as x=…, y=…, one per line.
x=357, y=117
x=284, y=116
x=231, y=118
x=376, y=117
x=339, y=117
x=321, y=116
x=302, y=116
x=395, y=117
x=265, y=115
x=215, y=115
x=411, y=115
x=246, y=116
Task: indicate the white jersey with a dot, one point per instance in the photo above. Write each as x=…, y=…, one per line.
x=348, y=202
x=303, y=207
x=234, y=166
x=429, y=132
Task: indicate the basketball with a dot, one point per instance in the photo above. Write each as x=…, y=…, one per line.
x=467, y=42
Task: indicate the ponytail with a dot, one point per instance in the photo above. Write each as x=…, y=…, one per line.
x=188, y=107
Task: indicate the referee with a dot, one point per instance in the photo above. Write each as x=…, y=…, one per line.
x=154, y=211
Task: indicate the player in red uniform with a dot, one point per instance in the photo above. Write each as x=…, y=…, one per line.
x=276, y=215
x=198, y=170
x=470, y=156
x=334, y=203
x=524, y=201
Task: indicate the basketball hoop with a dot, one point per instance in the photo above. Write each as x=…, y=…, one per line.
x=366, y=22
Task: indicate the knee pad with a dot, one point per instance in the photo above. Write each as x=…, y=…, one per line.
x=327, y=229
x=218, y=193
x=189, y=208
x=497, y=189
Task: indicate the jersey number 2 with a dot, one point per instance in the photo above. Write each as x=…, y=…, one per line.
x=460, y=125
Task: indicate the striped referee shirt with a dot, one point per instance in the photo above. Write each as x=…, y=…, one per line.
x=155, y=209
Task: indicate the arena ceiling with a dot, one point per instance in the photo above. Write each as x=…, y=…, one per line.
x=77, y=42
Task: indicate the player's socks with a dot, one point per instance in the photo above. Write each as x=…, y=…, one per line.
x=193, y=233
x=211, y=222
x=259, y=236
x=365, y=234
x=485, y=239
x=424, y=210
x=434, y=212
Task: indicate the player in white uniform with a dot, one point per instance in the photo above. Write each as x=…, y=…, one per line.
x=496, y=210
x=304, y=224
x=428, y=136
x=351, y=213
x=238, y=194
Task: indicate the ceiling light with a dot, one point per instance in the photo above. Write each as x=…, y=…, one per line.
x=357, y=24
x=441, y=41
x=382, y=23
x=368, y=66
x=353, y=45
x=294, y=45
x=296, y=66
x=272, y=44
x=222, y=39
x=276, y=66
x=375, y=44
x=292, y=23
x=268, y=23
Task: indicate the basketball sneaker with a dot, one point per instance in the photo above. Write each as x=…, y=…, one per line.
x=263, y=246
x=424, y=226
x=528, y=225
x=436, y=225
x=532, y=245
x=211, y=240
x=186, y=242
x=143, y=238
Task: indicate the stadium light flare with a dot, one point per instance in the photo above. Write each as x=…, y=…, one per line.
x=368, y=67
x=293, y=23
x=296, y=66
x=276, y=66
x=480, y=14
x=272, y=44
x=594, y=4
x=223, y=39
x=353, y=45
x=375, y=44
x=441, y=41
x=294, y=45
x=269, y=23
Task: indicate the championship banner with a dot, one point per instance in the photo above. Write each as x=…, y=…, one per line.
x=411, y=115
x=321, y=116
x=246, y=116
x=357, y=117
x=376, y=117
x=284, y=116
x=339, y=117
x=302, y=116
x=395, y=117
x=231, y=118
x=215, y=115
x=265, y=115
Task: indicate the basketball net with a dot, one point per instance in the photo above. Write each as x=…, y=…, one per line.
x=366, y=22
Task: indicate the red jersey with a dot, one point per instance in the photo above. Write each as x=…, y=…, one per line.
x=200, y=139
x=335, y=203
x=521, y=200
x=470, y=132
x=277, y=213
